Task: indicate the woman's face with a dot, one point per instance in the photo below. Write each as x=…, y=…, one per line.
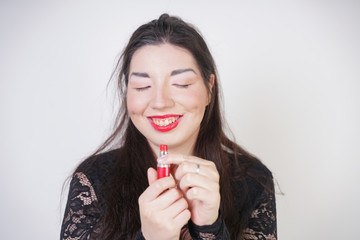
x=166, y=96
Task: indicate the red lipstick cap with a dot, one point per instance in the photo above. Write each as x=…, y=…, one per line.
x=163, y=148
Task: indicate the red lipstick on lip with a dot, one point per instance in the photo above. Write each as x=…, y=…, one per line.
x=163, y=169
x=165, y=128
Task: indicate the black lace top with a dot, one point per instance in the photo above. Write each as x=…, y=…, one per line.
x=83, y=211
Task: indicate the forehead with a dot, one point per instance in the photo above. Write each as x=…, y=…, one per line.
x=165, y=56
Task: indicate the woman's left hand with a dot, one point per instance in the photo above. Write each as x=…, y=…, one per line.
x=198, y=179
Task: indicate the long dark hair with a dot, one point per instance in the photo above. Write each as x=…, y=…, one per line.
x=127, y=180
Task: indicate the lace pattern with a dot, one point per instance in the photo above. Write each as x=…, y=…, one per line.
x=82, y=212
x=207, y=236
x=262, y=223
x=217, y=230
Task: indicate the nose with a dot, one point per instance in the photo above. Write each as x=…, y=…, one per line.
x=162, y=98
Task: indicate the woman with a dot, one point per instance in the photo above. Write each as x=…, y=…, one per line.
x=170, y=95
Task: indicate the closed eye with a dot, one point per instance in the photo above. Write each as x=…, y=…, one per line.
x=142, y=88
x=181, y=85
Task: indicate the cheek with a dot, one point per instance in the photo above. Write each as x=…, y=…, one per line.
x=195, y=100
x=135, y=104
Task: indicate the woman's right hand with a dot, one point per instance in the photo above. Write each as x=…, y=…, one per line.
x=163, y=209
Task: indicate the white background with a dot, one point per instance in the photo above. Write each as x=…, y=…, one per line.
x=290, y=72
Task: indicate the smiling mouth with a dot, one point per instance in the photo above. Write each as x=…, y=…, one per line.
x=164, y=123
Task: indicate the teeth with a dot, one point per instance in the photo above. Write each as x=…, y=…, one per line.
x=164, y=122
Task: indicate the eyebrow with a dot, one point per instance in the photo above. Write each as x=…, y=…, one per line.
x=173, y=73
x=140, y=74
x=179, y=71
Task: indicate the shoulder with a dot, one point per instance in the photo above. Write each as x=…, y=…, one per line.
x=252, y=176
x=249, y=166
x=96, y=168
x=258, y=170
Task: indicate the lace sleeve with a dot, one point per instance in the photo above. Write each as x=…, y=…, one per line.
x=262, y=222
x=217, y=230
x=81, y=212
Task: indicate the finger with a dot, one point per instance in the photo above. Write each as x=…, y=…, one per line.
x=191, y=180
x=178, y=159
x=209, y=171
x=152, y=175
x=157, y=188
x=201, y=194
x=190, y=164
x=168, y=198
x=176, y=207
x=182, y=218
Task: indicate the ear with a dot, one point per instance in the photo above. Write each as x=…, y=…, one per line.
x=211, y=84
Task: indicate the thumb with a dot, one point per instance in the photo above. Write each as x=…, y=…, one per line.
x=152, y=175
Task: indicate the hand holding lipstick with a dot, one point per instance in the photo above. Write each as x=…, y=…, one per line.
x=163, y=209
x=198, y=179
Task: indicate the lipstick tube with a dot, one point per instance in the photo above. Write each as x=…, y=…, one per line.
x=163, y=169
